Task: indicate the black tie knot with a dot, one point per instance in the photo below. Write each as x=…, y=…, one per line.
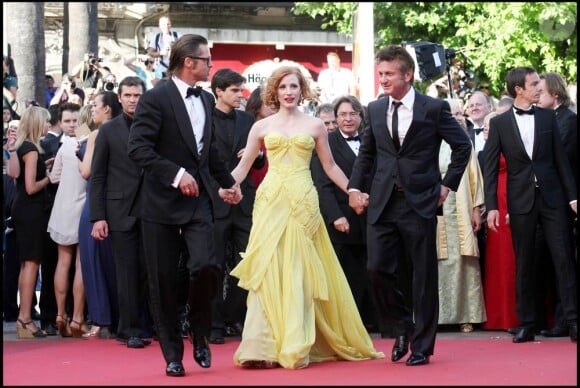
x=396, y=105
x=353, y=138
x=193, y=91
x=525, y=112
x=478, y=130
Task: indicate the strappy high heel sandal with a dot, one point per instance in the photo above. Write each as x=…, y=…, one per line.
x=24, y=332
x=62, y=326
x=78, y=329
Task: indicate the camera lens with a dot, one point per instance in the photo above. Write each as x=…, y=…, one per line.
x=109, y=86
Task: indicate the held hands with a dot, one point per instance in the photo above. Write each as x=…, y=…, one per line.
x=233, y=195
x=493, y=219
x=358, y=201
x=188, y=185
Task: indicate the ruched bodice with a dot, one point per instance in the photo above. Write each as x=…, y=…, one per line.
x=300, y=308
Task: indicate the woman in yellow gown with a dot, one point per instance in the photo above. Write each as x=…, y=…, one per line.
x=300, y=307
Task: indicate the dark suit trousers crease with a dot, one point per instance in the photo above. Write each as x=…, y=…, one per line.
x=400, y=227
x=231, y=236
x=557, y=236
x=163, y=247
x=131, y=280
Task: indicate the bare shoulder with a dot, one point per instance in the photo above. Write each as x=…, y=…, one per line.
x=314, y=126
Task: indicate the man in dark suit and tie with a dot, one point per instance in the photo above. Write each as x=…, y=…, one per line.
x=114, y=183
x=172, y=141
x=402, y=137
x=232, y=223
x=540, y=189
x=50, y=143
x=347, y=230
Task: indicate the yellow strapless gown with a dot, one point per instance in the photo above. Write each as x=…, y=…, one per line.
x=300, y=307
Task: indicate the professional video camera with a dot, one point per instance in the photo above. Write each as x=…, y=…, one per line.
x=92, y=59
x=433, y=60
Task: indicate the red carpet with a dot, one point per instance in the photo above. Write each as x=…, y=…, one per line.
x=457, y=362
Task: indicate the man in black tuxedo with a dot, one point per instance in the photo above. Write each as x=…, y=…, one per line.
x=402, y=137
x=172, y=141
x=232, y=223
x=114, y=183
x=347, y=230
x=50, y=143
x=554, y=95
x=540, y=188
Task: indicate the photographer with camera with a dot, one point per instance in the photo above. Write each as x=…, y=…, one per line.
x=89, y=71
x=67, y=92
x=160, y=46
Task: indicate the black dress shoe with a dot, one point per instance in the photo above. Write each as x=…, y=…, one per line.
x=234, y=330
x=217, y=337
x=574, y=332
x=175, y=369
x=556, y=331
x=417, y=359
x=137, y=343
x=201, y=352
x=524, y=335
x=400, y=348
x=49, y=329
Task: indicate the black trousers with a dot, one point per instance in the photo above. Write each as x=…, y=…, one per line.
x=414, y=238
x=163, y=252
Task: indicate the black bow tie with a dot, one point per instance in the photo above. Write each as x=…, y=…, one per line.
x=193, y=91
x=478, y=131
x=524, y=112
x=353, y=138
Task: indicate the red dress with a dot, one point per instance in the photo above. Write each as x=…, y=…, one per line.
x=500, y=266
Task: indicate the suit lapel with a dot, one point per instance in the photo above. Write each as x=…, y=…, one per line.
x=208, y=107
x=517, y=134
x=182, y=118
x=341, y=147
x=417, y=119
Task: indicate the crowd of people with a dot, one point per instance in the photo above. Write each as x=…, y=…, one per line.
x=151, y=207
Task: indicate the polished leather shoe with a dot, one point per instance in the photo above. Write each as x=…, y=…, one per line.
x=400, y=348
x=234, y=330
x=574, y=332
x=217, y=337
x=175, y=369
x=417, y=359
x=556, y=331
x=137, y=343
x=524, y=335
x=201, y=352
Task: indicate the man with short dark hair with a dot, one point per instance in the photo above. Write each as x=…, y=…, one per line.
x=232, y=223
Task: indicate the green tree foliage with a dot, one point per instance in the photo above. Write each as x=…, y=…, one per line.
x=491, y=38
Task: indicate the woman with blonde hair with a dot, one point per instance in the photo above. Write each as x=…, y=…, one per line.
x=28, y=211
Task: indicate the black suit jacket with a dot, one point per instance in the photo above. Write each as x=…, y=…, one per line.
x=50, y=144
x=228, y=151
x=568, y=125
x=548, y=164
x=114, y=177
x=161, y=142
x=416, y=165
x=333, y=201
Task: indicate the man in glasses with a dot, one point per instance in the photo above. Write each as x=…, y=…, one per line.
x=172, y=140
